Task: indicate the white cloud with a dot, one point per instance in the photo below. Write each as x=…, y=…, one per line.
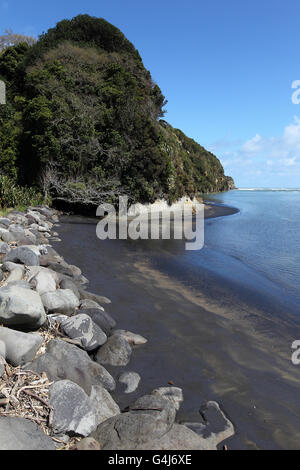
x=276, y=159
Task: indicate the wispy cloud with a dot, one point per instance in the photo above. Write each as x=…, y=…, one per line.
x=275, y=158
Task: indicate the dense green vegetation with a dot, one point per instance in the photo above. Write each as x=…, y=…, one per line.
x=83, y=121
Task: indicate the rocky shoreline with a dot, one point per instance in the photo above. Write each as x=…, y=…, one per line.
x=56, y=340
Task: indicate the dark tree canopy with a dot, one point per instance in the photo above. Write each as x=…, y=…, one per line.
x=82, y=107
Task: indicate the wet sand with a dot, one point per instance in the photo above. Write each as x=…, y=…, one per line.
x=216, y=342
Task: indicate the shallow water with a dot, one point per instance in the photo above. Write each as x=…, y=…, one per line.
x=220, y=322
x=264, y=235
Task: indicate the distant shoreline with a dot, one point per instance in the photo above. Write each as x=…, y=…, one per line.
x=212, y=210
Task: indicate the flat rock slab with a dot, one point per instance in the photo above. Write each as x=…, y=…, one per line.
x=22, y=434
x=61, y=301
x=83, y=328
x=66, y=361
x=21, y=307
x=115, y=352
x=73, y=410
x=19, y=347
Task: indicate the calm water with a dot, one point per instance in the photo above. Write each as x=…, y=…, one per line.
x=255, y=253
x=264, y=235
x=249, y=273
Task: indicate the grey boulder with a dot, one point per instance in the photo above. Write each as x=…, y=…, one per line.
x=19, y=347
x=22, y=434
x=6, y=236
x=43, y=282
x=15, y=275
x=9, y=266
x=179, y=437
x=4, y=248
x=68, y=284
x=88, y=443
x=66, y=361
x=21, y=307
x=23, y=255
x=174, y=394
x=73, y=410
x=2, y=365
x=148, y=420
x=2, y=348
x=5, y=221
x=103, y=403
x=83, y=328
x=61, y=301
x=217, y=426
x=115, y=352
x=101, y=318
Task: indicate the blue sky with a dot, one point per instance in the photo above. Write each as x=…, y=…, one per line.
x=226, y=68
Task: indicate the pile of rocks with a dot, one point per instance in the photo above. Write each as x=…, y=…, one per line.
x=54, y=329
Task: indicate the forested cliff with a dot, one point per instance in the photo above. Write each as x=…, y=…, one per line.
x=83, y=121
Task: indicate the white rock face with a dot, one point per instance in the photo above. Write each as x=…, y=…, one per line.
x=161, y=205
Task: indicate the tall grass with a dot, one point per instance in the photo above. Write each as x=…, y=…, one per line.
x=14, y=196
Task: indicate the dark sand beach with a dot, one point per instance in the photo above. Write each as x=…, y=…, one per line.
x=213, y=338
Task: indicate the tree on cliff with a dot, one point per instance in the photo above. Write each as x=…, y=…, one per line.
x=81, y=99
x=9, y=38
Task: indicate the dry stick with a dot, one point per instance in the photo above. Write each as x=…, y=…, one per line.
x=4, y=401
x=33, y=395
x=23, y=389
